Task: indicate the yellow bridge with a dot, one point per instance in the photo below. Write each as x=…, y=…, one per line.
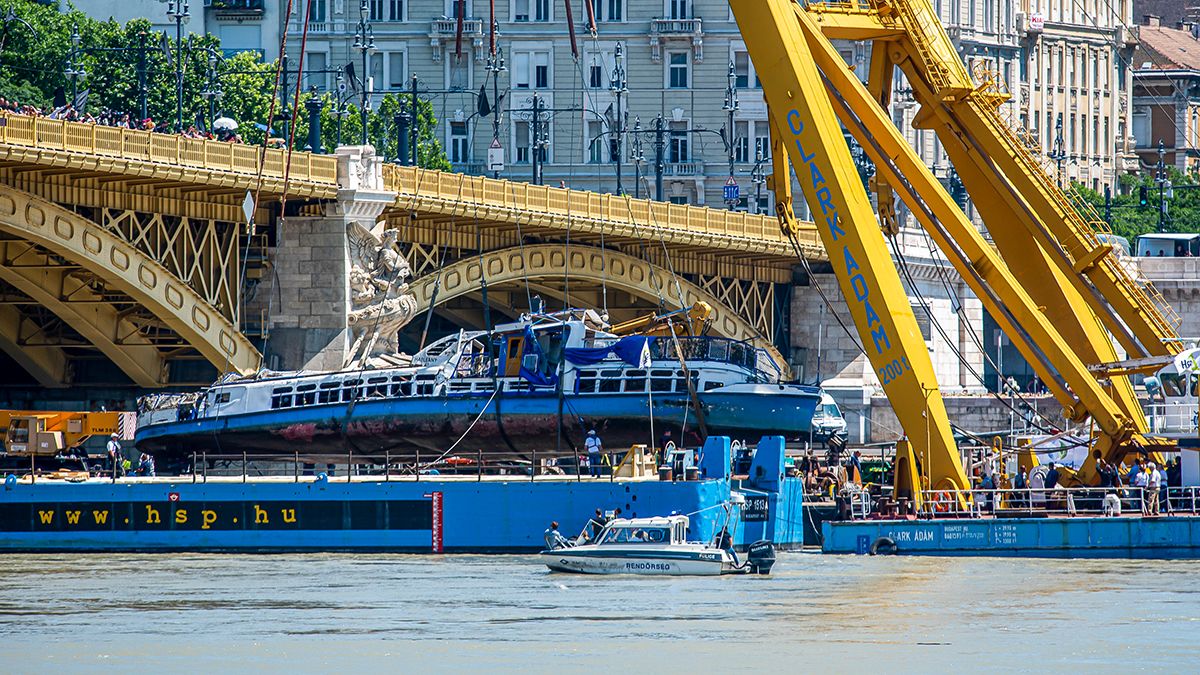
x=131, y=246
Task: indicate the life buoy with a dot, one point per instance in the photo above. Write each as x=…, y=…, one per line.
x=883, y=546
x=941, y=501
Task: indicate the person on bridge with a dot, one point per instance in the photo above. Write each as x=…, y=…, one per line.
x=594, y=447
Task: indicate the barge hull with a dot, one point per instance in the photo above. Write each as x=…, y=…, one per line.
x=1162, y=537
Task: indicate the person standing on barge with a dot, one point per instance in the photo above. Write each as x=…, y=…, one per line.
x=594, y=447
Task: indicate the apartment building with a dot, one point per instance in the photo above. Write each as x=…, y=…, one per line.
x=1166, y=94
x=675, y=54
x=242, y=25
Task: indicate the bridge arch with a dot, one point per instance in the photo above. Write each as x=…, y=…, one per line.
x=77, y=244
x=583, y=263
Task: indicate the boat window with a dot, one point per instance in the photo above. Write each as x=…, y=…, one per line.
x=662, y=380
x=306, y=394
x=586, y=383
x=718, y=350
x=1172, y=384
x=222, y=397
x=709, y=385
x=637, y=535
x=401, y=387
x=281, y=397
x=329, y=392
x=610, y=380
x=635, y=380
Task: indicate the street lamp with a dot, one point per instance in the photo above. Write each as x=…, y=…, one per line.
x=758, y=176
x=731, y=107
x=637, y=156
x=364, y=42
x=619, y=85
x=495, y=66
x=212, y=92
x=1058, y=155
x=342, y=110
x=178, y=12
x=74, y=69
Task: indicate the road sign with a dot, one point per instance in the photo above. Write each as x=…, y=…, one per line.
x=495, y=156
x=733, y=192
x=248, y=207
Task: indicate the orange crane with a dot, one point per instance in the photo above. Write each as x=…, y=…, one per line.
x=45, y=433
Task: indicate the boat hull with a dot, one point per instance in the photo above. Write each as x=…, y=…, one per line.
x=701, y=564
x=513, y=424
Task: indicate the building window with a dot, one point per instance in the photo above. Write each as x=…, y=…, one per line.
x=743, y=72
x=314, y=63
x=452, y=9
x=531, y=70
x=460, y=71
x=396, y=71
x=521, y=143
x=741, y=142
x=376, y=72
x=609, y=10
x=318, y=12
x=395, y=10
x=542, y=10
x=596, y=76
x=679, y=9
x=678, y=199
x=460, y=147
x=376, y=10
x=520, y=11
x=596, y=142
x=677, y=73
x=679, y=143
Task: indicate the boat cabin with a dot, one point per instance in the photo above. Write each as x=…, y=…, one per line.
x=660, y=531
x=1168, y=245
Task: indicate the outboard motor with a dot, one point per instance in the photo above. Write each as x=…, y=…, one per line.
x=761, y=556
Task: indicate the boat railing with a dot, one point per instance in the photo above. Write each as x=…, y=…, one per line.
x=1165, y=418
x=387, y=465
x=718, y=349
x=1037, y=501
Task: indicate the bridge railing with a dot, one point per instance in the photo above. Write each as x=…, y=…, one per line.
x=677, y=222
x=133, y=144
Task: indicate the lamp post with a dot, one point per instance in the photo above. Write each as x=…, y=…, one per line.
x=619, y=86
x=400, y=119
x=758, y=176
x=1160, y=179
x=637, y=157
x=212, y=92
x=495, y=66
x=364, y=42
x=731, y=107
x=314, y=105
x=74, y=69
x=1058, y=155
x=178, y=12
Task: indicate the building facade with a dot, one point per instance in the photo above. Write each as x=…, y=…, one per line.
x=675, y=56
x=1166, y=95
x=242, y=25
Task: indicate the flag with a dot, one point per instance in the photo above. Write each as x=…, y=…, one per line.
x=644, y=358
x=81, y=99
x=165, y=45
x=485, y=107
x=350, y=76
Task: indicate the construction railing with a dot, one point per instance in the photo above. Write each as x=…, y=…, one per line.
x=1056, y=501
x=584, y=211
x=42, y=133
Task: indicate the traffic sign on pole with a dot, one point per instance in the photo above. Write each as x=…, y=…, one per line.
x=733, y=192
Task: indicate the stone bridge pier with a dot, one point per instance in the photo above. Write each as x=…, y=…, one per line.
x=312, y=302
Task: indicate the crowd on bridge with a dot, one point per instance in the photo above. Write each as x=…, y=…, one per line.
x=112, y=118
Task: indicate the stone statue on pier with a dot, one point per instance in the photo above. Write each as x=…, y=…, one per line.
x=380, y=301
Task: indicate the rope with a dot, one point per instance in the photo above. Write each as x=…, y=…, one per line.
x=464, y=433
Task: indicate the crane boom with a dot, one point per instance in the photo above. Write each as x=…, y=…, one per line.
x=1051, y=284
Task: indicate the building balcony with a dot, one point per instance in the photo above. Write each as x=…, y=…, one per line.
x=683, y=169
x=672, y=30
x=443, y=31
x=236, y=10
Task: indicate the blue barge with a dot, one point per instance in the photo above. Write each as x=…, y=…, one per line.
x=432, y=514
x=1054, y=537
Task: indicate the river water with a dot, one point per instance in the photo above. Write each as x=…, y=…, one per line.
x=354, y=613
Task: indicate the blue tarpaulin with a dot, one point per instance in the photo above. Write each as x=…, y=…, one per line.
x=533, y=377
x=628, y=349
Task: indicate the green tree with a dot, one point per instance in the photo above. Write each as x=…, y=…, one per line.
x=34, y=60
x=1130, y=219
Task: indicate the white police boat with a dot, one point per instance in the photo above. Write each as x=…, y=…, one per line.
x=657, y=546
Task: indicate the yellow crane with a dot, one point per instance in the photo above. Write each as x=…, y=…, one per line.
x=1053, y=287
x=45, y=433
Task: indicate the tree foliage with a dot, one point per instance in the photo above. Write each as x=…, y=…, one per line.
x=1129, y=218
x=34, y=59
